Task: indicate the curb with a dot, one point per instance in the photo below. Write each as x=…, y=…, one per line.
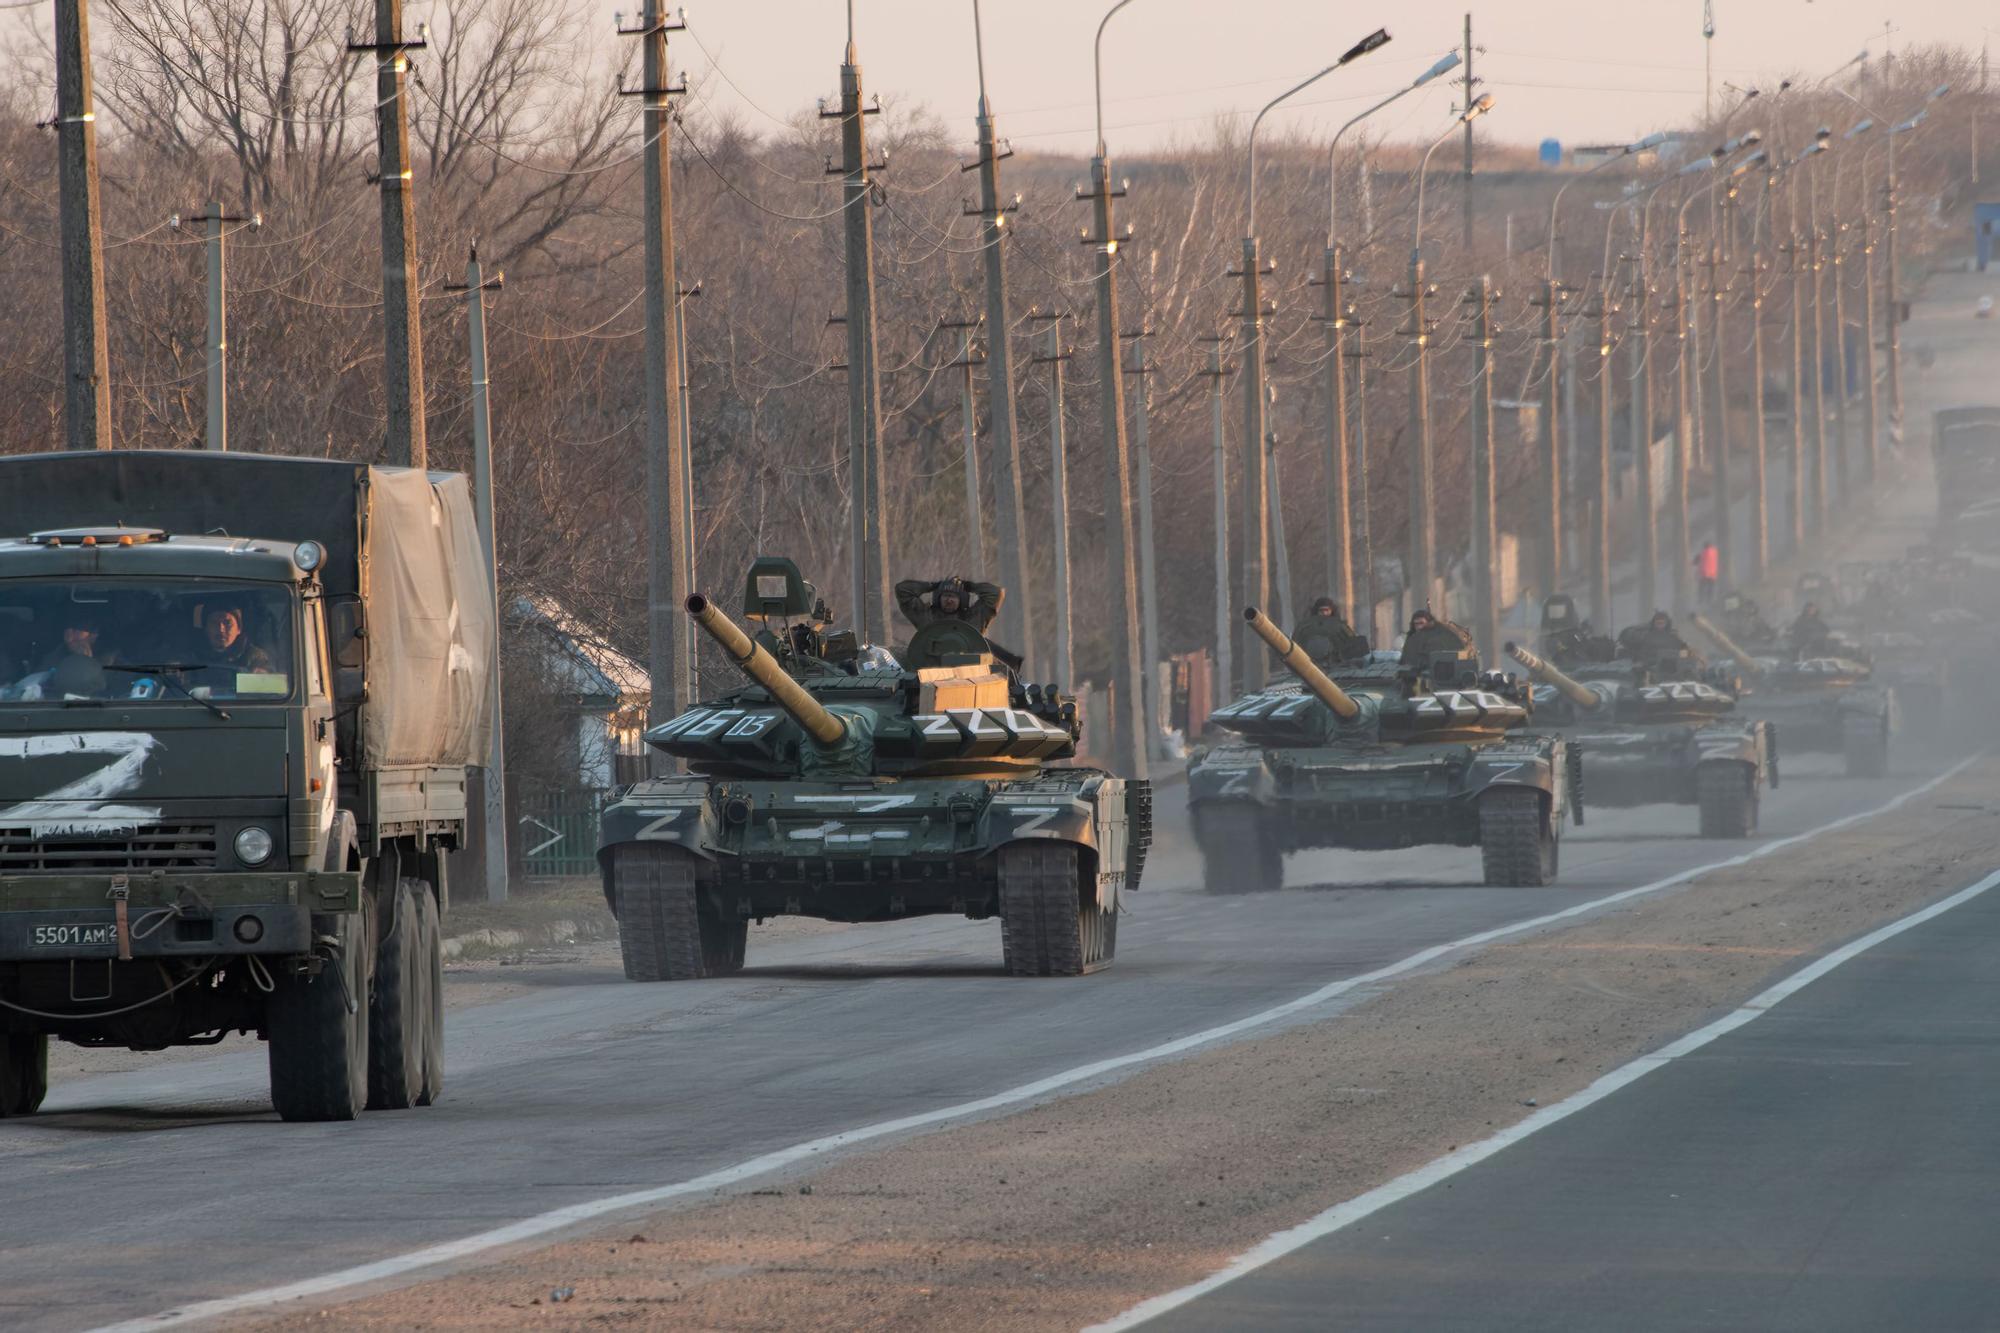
x=562, y=931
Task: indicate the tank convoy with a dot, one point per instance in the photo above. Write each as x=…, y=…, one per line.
x=1378, y=756
x=843, y=783
x=1652, y=741
x=1822, y=704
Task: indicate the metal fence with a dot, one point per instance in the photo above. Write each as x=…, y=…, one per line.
x=558, y=833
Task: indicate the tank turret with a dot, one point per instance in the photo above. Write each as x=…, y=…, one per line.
x=758, y=664
x=1576, y=692
x=1300, y=664
x=1745, y=662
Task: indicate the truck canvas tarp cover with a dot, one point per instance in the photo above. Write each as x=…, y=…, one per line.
x=405, y=542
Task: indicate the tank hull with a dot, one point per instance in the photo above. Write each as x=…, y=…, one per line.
x=1626, y=767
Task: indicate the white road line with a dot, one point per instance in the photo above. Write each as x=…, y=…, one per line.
x=1443, y=1168
x=560, y=1219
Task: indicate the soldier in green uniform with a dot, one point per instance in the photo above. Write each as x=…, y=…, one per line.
x=950, y=598
x=1809, y=636
x=1429, y=636
x=1327, y=637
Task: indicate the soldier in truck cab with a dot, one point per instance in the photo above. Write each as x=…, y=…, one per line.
x=225, y=644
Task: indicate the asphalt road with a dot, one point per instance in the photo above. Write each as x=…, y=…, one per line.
x=1831, y=1165
x=179, y=1184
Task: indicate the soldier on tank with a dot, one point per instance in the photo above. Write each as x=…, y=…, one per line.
x=1743, y=622
x=1327, y=637
x=1429, y=636
x=1809, y=636
x=1566, y=638
x=1653, y=642
x=950, y=598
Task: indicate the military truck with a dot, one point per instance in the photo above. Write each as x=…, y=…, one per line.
x=238, y=695
x=849, y=784
x=1379, y=756
x=1658, y=742
x=1965, y=456
x=1821, y=705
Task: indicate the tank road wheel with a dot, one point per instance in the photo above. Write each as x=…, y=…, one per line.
x=318, y=1028
x=1050, y=925
x=1517, y=846
x=667, y=931
x=1727, y=797
x=1236, y=857
x=1866, y=743
x=24, y=1075
x=397, y=1024
x=431, y=936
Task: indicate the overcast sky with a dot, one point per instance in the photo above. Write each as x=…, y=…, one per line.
x=1575, y=70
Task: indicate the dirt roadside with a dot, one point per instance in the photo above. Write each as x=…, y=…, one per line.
x=1077, y=1209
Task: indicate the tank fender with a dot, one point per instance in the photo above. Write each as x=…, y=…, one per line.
x=1063, y=816
x=1231, y=773
x=1543, y=767
x=674, y=810
x=1734, y=745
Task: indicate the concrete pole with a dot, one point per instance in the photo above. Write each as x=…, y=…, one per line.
x=1797, y=444
x=403, y=379
x=1363, y=495
x=1064, y=663
x=1724, y=503
x=1760, y=498
x=1843, y=483
x=1549, y=490
x=670, y=640
x=1471, y=96
x=1892, y=317
x=1225, y=621
x=1423, y=530
x=975, y=510
x=685, y=524
x=1337, y=465
x=217, y=437
x=493, y=778
x=1600, y=544
x=1486, y=605
x=1819, y=506
x=1871, y=455
x=1642, y=444
x=1149, y=586
x=1683, y=429
x=1016, y=626
x=1281, y=557
x=867, y=530
x=1255, y=535
x=86, y=374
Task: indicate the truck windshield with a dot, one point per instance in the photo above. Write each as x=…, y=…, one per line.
x=67, y=639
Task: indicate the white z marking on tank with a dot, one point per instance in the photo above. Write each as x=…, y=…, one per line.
x=863, y=805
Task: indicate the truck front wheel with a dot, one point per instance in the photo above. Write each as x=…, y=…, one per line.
x=318, y=1028
x=24, y=1075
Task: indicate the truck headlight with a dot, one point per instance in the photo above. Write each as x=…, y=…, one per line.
x=253, y=846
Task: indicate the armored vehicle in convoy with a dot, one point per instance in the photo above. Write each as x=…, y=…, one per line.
x=1821, y=705
x=1658, y=742
x=841, y=783
x=1965, y=456
x=238, y=696
x=1379, y=756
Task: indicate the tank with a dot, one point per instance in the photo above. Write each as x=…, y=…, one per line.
x=1375, y=756
x=842, y=783
x=1821, y=705
x=1652, y=742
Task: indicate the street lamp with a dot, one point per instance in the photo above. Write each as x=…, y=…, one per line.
x=1340, y=504
x=1423, y=524
x=1262, y=479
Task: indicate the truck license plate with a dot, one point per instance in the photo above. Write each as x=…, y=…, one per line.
x=72, y=937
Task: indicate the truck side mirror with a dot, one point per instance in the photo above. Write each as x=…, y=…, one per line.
x=346, y=628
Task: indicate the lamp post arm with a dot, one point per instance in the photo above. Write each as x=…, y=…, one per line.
x=1097, y=66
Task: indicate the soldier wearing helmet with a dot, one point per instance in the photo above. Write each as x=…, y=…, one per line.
x=1327, y=637
x=1429, y=636
x=950, y=598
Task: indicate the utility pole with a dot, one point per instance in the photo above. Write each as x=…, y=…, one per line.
x=1225, y=621
x=686, y=523
x=1337, y=462
x=1471, y=96
x=1423, y=531
x=1363, y=492
x=402, y=324
x=1281, y=558
x=670, y=643
x=975, y=511
x=1128, y=747
x=1718, y=306
x=1549, y=505
x=217, y=436
x=1486, y=608
x=1053, y=358
x=490, y=808
x=1683, y=424
x=1814, y=262
x=1871, y=456
x=1797, y=444
x=86, y=374
x=1016, y=622
x=1843, y=485
x=868, y=533
x=1255, y=535
x=1600, y=543
x=1641, y=303
x=1892, y=316
x=1149, y=588
x=1760, y=500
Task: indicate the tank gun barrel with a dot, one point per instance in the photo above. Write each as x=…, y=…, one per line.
x=760, y=666
x=1744, y=661
x=1301, y=665
x=1549, y=674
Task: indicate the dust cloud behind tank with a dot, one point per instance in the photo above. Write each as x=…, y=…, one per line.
x=1371, y=755
x=1650, y=741
x=848, y=784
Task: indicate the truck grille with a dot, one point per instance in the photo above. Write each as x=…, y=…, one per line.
x=149, y=847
